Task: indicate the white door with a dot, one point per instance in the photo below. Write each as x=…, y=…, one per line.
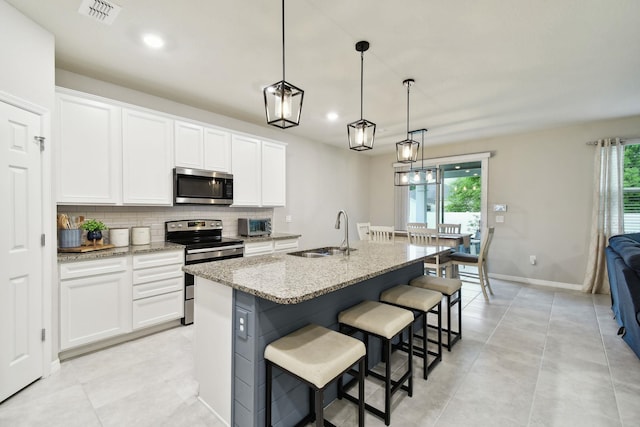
x=21, y=347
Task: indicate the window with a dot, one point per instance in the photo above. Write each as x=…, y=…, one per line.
x=631, y=183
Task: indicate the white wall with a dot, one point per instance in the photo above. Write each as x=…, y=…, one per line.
x=545, y=178
x=321, y=179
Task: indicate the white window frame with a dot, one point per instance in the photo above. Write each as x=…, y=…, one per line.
x=402, y=192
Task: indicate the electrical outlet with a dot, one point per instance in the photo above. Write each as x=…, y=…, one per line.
x=532, y=259
x=242, y=323
x=499, y=218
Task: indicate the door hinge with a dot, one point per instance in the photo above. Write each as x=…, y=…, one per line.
x=40, y=139
x=42, y=239
x=44, y=334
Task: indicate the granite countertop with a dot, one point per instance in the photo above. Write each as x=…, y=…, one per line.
x=127, y=250
x=288, y=279
x=273, y=236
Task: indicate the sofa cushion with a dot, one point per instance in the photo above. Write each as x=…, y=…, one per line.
x=628, y=248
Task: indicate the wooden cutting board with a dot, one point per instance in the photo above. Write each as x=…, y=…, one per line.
x=82, y=249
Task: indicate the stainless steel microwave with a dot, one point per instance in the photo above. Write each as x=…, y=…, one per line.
x=202, y=187
x=254, y=227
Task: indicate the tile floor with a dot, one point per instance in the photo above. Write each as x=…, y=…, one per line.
x=531, y=357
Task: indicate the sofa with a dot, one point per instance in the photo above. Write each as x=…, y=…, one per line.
x=623, y=266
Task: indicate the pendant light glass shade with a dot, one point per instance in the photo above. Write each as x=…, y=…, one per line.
x=282, y=100
x=362, y=132
x=419, y=176
x=407, y=150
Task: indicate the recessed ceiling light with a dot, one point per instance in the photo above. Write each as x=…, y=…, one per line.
x=153, y=41
x=332, y=116
x=457, y=167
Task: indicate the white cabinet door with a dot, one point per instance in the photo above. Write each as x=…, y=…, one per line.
x=258, y=248
x=217, y=150
x=88, y=156
x=246, y=166
x=188, y=145
x=95, y=306
x=274, y=167
x=147, y=157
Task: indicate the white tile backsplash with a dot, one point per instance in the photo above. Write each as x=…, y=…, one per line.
x=155, y=216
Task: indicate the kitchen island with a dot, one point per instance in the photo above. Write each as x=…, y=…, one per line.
x=243, y=304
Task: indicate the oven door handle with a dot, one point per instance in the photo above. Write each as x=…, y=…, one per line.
x=214, y=249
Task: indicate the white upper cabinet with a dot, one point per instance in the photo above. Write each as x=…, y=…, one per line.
x=201, y=147
x=274, y=168
x=217, y=150
x=246, y=166
x=189, y=145
x=259, y=172
x=147, y=158
x=88, y=151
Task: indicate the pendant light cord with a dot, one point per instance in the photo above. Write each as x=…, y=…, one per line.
x=361, y=80
x=408, y=88
x=283, y=79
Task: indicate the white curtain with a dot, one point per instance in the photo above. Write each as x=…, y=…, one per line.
x=607, y=213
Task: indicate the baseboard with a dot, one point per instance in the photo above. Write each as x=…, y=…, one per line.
x=55, y=366
x=100, y=345
x=538, y=282
x=213, y=412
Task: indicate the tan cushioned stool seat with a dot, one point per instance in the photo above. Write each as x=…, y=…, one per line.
x=412, y=296
x=378, y=318
x=315, y=353
x=441, y=284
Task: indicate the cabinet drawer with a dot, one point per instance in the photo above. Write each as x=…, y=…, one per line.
x=156, y=259
x=72, y=270
x=157, y=309
x=285, y=245
x=258, y=248
x=157, y=273
x=158, y=287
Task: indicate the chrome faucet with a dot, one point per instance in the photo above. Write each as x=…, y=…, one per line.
x=346, y=231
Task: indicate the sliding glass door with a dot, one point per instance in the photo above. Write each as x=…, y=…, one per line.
x=459, y=197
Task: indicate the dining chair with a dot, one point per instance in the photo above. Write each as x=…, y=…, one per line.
x=382, y=233
x=363, y=230
x=479, y=261
x=429, y=237
x=449, y=228
x=416, y=225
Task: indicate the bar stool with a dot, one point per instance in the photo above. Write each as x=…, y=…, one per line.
x=421, y=302
x=316, y=356
x=384, y=322
x=452, y=289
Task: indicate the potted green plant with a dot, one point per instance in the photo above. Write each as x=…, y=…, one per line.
x=94, y=229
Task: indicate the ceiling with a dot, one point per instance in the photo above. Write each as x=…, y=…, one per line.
x=482, y=68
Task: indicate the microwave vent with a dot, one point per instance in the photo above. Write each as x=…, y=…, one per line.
x=100, y=10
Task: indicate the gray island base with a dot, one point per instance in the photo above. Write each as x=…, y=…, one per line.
x=236, y=316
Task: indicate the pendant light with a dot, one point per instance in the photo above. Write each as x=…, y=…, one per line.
x=361, y=132
x=407, y=150
x=418, y=176
x=282, y=100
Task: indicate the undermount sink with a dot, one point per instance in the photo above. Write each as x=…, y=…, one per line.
x=320, y=252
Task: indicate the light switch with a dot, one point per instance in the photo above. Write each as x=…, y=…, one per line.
x=499, y=218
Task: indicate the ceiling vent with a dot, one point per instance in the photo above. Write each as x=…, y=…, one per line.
x=100, y=10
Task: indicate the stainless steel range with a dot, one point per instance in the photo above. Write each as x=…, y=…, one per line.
x=204, y=243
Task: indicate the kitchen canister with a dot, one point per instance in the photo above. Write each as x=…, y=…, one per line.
x=69, y=238
x=119, y=237
x=140, y=235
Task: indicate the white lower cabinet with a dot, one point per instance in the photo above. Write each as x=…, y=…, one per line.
x=285, y=245
x=269, y=246
x=95, y=300
x=258, y=248
x=158, y=288
x=108, y=297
